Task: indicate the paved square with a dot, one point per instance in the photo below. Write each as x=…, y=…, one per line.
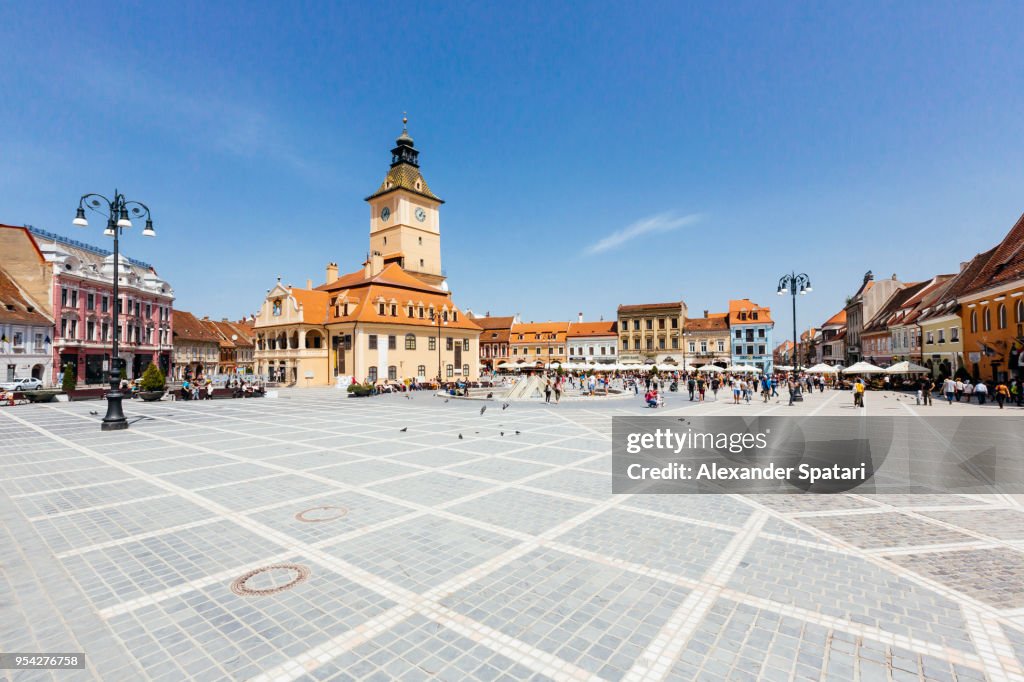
x=310, y=537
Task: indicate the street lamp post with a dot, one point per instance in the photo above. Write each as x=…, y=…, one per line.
x=117, y=214
x=436, y=317
x=795, y=284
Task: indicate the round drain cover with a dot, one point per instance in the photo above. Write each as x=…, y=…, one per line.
x=319, y=514
x=271, y=577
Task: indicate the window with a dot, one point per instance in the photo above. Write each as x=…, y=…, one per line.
x=90, y=330
x=661, y=344
x=636, y=325
x=90, y=302
x=449, y=343
x=372, y=374
x=1019, y=315
x=675, y=344
x=39, y=342
x=373, y=341
x=721, y=346
x=650, y=324
x=942, y=336
x=625, y=344
x=636, y=344
x=63, y=296
x=421, y=371
x=421, y=263
x=450, y=371
x=420, y=311
x=739, y=334
x=431, y=343
x=105, y=304
x=74, y=298
x=929, y=337
x=661, y=323
x=410, y=342
x=954, y=334
x=675, y=323
x=149, y=310
x=465, y=344
x=760, y=333
x=380, y=308
x=465, y=370
x=515, y=351
x=408, y=311
x=650, y=344
x=392, y=373
x=394, y=310
x=538, y=350
x=105, y=330
x=1001, y=316
x=693, y=346
x=760, y=350
x=561, y=350
x=986, y=319
x=392, y=342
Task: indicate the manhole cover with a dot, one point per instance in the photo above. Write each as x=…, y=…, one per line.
x=320, y=514
x=269, y=580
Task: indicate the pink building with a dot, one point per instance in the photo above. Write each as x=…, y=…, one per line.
x=83, y=310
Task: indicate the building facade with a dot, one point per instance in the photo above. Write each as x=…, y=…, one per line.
x=391, y=321
x=862, y=307
x=196, y=348
x=833, y=339
x=80, y=280
x=236, y=345
x=494, y=339
x=539, y=343
x=706, y=340
x=592, y=341
x=651, y=332
x=750, y=332
x=992, y=312
x=25, y=334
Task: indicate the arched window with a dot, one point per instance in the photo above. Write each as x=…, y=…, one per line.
x=372, y=374
x=421, y=371
x=392, y=373
x=1020, y=311
x=986, y=320
x=1001, y=316
x=313, y=339
x=974, y=321
x=410, y=342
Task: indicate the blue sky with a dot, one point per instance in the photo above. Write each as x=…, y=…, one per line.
x=589, y=154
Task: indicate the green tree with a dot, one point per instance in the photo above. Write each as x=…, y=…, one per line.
x=153, y=379
x=69, y=380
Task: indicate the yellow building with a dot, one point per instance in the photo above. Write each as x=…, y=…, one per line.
x=394, y=319
x=539, y=343
x=651, y=332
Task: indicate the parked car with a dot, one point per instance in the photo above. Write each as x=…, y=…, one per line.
x=23, y=384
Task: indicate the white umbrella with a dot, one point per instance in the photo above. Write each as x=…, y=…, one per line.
x=822, y=368
x=506, y=365
x=906, y=367
x=710, y=368
x=690, y=368
x=864, y=368
x=751, y=369
x=784, y=368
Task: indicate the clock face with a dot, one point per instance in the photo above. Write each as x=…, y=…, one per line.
x=385, y=213
x=421, y=215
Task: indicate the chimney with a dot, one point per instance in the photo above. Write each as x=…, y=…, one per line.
x=705, y=314
x=332, y=272
x=309, y=283
x=579, y=317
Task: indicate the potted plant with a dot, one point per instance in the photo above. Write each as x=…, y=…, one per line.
x=360, y=390
x=152, y=387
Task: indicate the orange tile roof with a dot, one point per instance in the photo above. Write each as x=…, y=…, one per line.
x=736, y=306
x=639, y=307
x=1007, y=262
x=190, y=328
x=713, y=322
x=314, y=304
x=838, y=318
x=494, y=322
x=593, y=329
x=22, y=309
x=365, y=300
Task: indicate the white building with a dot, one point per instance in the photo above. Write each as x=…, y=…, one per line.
x=592, y=341
x=26, y=335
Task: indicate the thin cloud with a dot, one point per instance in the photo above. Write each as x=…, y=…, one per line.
x=664, y=222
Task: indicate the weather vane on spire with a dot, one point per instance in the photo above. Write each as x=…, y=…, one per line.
x=405, y=120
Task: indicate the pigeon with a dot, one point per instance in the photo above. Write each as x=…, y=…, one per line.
x=93, y=412
x=501, y=432
x=460, y=436
x=408, y=397
x=483, y=409
x=403, y=430
x=517, y=433
x=446, y=399
x=504, y=406
x=490, y=395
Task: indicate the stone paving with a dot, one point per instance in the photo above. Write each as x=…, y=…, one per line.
x=498, y=555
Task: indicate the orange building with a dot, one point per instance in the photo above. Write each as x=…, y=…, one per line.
x=992, y=312
x=539, y=343
x=494, y=339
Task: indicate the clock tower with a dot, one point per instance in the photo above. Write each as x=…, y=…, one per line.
x=404, y=218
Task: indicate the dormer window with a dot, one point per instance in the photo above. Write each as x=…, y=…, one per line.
x=381, y=308
x=394, y=310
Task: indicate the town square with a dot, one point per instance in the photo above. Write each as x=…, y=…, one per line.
x=573, y=341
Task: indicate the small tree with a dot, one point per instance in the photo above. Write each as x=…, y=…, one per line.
x=69, y=381
x=153, y=379
x=124, y=372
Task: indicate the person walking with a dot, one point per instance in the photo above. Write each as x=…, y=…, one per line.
x=981, y=391
x=558, y=390
x=958, y=389
x=949, y=388
x=1002, y=393
x=858, y=393
x=927, y=386
x=547, y=391
x=702, y=387
x=690, y=386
